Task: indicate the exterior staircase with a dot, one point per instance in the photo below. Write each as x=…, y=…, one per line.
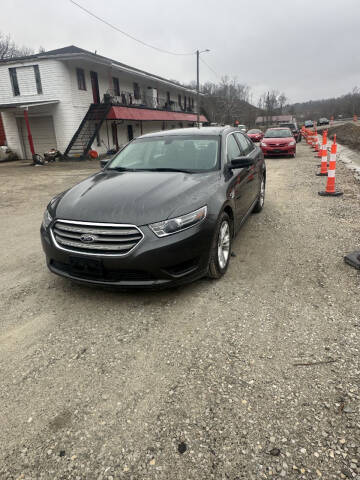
x=85, y=135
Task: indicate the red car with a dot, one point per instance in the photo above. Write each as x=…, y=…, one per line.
x=278, y=141
x=255, y=135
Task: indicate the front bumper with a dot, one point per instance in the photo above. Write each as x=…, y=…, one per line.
x=154, y=262
x=278, y=151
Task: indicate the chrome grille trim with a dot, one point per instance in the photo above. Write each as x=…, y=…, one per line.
x=111, y=239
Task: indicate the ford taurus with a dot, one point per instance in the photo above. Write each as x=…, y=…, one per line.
x=162, y=212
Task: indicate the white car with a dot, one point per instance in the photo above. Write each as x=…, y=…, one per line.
x=243, y=128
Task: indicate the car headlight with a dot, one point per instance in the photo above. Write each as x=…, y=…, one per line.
x=291, y=144
x=174, y=225
x=263, y=144
x=47, y=219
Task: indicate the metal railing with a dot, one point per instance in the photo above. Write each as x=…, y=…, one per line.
x=159, y=102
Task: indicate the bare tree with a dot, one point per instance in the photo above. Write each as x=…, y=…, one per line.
x=346, y=105
x=282, y=101
x=9, y=49
x=227, y=101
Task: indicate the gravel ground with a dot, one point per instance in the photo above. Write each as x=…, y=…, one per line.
x=255, y=376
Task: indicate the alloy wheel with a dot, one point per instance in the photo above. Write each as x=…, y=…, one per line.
x=224, y=244
x=262, y=193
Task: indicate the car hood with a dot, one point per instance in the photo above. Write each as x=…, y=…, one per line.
x=137, y=198
x=278, y=140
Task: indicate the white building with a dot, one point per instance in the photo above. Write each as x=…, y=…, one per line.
x=56, y=89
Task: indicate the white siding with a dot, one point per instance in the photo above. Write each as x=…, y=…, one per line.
x=42, y=130
x=59, y=82
x=26, y=80
x=12, y=133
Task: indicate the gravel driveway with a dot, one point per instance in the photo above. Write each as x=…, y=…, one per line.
x=255, y=376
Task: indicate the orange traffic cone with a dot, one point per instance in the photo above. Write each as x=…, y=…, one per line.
x=315, y=140
x=330, y=184
x=317, y=144
x=323, y=169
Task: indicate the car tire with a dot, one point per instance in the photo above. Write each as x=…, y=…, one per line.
x=218, y=263
x=259, y=205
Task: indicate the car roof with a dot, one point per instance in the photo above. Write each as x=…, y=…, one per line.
x=191, y=131
x=278, y=128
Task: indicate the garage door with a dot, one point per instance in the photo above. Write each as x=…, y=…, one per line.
x=43, y=133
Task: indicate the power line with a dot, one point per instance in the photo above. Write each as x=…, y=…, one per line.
x=127, y=34
x=210, y=68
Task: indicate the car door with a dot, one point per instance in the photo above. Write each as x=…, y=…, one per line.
x=237, y=182
x=253, y=178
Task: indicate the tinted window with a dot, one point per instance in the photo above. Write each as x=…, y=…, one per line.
x=254, y=130
x=245, y=144
x=278, y=133
x=233, y=150
x=197, y=153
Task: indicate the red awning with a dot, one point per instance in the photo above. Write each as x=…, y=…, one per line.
x=130, y=113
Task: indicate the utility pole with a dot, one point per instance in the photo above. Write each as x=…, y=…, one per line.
x=198, y=85
x=198, y=88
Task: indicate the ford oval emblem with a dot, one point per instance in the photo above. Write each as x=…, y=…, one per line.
x=87, y=238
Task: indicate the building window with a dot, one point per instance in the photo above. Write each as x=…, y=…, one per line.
x=116, y=86
x=179, y=101
x=136, y=91
x=81, y=79
x=14, y=81
x=38, y=79
x=184, y=102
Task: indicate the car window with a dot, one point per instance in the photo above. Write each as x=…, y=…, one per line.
x=193, y=153
x=278, y=133
x=233, y=150
x=245, y=145
x=250, y=143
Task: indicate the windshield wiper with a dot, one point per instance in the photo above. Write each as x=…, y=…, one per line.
x=161, y=169
x=121, y=169
x=166, y=169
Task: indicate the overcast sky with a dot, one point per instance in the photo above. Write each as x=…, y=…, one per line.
x=308, y=49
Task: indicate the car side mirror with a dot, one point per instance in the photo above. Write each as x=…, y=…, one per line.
x=241, y=162
x=103, y=163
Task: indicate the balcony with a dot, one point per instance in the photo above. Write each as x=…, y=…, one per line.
x=149, y=100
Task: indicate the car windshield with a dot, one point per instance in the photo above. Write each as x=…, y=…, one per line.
x=289, y=125
x=197, y=153
x=278, y=133
x=254, y=131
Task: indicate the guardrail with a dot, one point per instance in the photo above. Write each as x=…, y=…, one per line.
x=128, y=98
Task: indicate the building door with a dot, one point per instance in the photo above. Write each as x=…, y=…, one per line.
x=43, y=133
x=130, y=132
x=2, y=133
x=95, y=87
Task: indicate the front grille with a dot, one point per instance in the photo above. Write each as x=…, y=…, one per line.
x=101, y=239
x=277, y=144
x=103, y=275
